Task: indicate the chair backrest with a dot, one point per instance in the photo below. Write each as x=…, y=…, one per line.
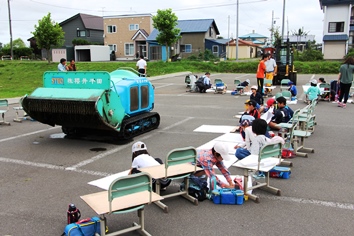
x=292, y=129
x=325, y=86
x=217, y=81
x=286, y=94
x=237, y=81
x=4, y=103
x=130, y=184
x=284, y=82
x=270, y=150
x=268, y=82
x=187, y=80
x=181, y=156
x=277, y=95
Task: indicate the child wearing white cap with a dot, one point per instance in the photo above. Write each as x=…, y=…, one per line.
x=207, y=158
x=312, y=92
x=141, y=159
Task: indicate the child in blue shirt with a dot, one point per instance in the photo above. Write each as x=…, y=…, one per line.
x=313, y=92
x=293, y=90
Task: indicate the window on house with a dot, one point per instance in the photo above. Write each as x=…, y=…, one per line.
x=81, y=33
x=210, y=32
x=215, y=49
x=112, y=47
x=186, y=48
x=133, y=27
x=129, y=49
x=111, y=29
x=334, y=27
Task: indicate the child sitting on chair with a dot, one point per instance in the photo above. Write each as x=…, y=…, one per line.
x=141, y=159
x=244, y=84
x=259, y=128
x=256, y=96
x=313, y=92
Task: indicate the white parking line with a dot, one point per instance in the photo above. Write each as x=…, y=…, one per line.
x=102, y=155
x=28, y=134
x=346, y=206
x=51, y=167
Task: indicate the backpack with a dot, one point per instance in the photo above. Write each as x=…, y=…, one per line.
x=200, y=80
x=198, y=187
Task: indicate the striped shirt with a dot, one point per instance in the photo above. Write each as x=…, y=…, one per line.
x=206, y=160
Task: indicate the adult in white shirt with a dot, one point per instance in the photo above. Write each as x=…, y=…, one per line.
x=141, y=159
x=141, y=65
x=271, y=67
x=62, y=65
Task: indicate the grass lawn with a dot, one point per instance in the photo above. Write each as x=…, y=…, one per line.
x=18, y=78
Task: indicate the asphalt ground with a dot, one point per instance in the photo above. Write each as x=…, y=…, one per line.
x=42, y=171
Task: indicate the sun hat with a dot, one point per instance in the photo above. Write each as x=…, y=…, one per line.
x=254, y=87
x=138, y=146
x=270, y=102
x=222, y=149
x=248, y=81
x=313, y=81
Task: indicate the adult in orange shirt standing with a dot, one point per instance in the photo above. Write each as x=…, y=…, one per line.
x=260, y=73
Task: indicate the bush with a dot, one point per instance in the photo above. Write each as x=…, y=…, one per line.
x=79, y=41
x=18, y=52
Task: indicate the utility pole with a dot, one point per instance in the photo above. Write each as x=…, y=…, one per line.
x=228, y=37
x=272, y=28
x=282, y=27
x=8, y=6
x=237, y=11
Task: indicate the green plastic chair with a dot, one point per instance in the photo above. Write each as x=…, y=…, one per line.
x=4, y=107
x=286, y=94
x=267, y=151
x=326, y=93
x=127, y=185
x=181, y=156
x=284, y=84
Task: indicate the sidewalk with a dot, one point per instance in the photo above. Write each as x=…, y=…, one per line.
x=17, y=99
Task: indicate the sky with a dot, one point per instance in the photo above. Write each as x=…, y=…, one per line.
x=254, y=15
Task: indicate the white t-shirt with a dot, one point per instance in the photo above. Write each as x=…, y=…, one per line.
x=270, y=65
x=141, y=64
x=144, y=160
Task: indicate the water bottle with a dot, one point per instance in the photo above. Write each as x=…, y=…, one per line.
x=73, y=214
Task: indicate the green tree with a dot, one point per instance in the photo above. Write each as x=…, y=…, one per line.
x=276, y=36
x=17, y=43
x=48, y=34
x=300, y=32
x=165, y=22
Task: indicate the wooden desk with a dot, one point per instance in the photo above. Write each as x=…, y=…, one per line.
x=99, y=203
x=158, y=172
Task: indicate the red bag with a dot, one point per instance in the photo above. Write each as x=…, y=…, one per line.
x=287, y=153
x=238, y=183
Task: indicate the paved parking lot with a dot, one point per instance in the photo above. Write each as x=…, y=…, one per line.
x=42, y=171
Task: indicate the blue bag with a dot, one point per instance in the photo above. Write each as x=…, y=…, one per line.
x=226, y=195
x=85, y=227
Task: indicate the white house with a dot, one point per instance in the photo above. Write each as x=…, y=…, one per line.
x=338, y=27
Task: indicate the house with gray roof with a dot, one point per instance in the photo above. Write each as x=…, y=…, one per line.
x=193, y=35
x=83, y=26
